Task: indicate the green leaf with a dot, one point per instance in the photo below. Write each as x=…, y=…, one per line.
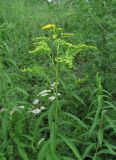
x=110, y=121
x=53, y=140
x=67, y=158
x=78, y=98
x=5, y=123
x=71, y=146
x=51, y=115
x=95, y=157
x=106, y=151
x=8, y=79
x=88, y=150
x=2, y=156
x=96, y=121
x=100, y=136
x=44, y=150
x=68, y=123
x=39, y=121
x=22, y=153
x=75, y=118
x=110, y=147
x=110, y=105
x=22, y=91
x=49, y=157
x=18, y=142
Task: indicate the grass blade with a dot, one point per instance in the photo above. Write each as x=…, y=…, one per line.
x=71, y=146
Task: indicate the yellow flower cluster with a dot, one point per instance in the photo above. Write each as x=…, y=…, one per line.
x=49, y=26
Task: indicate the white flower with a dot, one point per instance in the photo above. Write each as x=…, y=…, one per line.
x=52, y=98
x=59, y=94
x=21, y=107
x=50, y=0
x=44, y=93
x=36, y=111
x=40, y=141
x=42, y=108
x=53, y=85
x=35, y=101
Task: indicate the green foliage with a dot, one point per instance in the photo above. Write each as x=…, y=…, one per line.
x=57, y=81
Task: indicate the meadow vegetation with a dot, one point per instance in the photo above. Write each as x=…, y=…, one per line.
x=57, y=80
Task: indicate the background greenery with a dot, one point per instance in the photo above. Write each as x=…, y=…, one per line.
x=86, y=124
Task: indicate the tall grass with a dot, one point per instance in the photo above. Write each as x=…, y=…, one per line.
x=57, y=102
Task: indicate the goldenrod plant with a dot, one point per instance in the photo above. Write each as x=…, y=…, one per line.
x=59, y=55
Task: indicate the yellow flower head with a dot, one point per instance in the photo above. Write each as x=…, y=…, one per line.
x=49, y=26
x=54, y=36
x=60, y=29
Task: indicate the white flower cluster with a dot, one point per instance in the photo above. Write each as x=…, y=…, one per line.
x=52, y=98
x=50, y=0
x=35, y=102
x=13, y=109
x=53, y=85
x=21, y=107
x=54, y=1
x=16, y=109
x=36, y=111
x=44, y=93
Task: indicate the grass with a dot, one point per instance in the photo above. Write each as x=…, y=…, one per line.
x=56, y=102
